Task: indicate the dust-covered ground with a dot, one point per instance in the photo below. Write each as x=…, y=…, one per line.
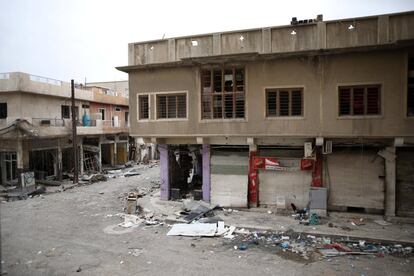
x=71, y=232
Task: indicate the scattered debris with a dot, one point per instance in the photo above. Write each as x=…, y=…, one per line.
x=382, y=222
x=130, y=221
x=357, y=221
x=193, y=230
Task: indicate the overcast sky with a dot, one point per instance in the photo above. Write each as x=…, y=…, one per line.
x=87, y=38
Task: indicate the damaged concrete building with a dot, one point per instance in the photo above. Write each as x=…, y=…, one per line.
x=36, y=127
x=316, y=113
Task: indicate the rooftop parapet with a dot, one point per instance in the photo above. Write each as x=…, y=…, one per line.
x=303, y=36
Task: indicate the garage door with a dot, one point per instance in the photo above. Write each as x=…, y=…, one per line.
x=405, y=182
x=293, y=186
x=229, y=178
x=355, y=178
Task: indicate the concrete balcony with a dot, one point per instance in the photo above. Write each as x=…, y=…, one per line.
x=22, y=82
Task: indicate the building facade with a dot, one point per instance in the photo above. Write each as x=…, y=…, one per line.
x=280, y=115
x=36, y=127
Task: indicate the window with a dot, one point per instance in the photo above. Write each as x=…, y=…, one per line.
x=222, y=93
x=10, y=160
x=410, y=88
x=171, y=106
x=143, y=106
x=117, y=108
x=65, y=112
x=284, y=102
x=102, y=111
x=359, y=100
x=127, y=118
x=3, y=110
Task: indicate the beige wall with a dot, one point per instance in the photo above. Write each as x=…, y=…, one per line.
x=319, y=77
x=328, y=35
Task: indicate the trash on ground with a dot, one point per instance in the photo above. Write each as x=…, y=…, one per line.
x=382, y=222
x=130, y=221
x=193, y=230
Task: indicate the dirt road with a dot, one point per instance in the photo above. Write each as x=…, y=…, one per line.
x=67, y=234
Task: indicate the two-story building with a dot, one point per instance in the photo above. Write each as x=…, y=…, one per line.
x=268, y=116
x=36, y=127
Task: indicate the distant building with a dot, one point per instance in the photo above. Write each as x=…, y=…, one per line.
x=316, y=112
x=36, y=126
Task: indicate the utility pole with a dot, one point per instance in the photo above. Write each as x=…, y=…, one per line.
x=74, y=135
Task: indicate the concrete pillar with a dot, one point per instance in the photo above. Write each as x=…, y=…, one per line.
x=216, y=44
x=383, y=29
x=115, y=155
x=321, y=34
x=165, y=173
x=171, y=50
x=253, y=189
x=22, y=159
x=390, y=179
x=206, y=187
x=131, y=54
x=266, y=40
x=81, y=166
x=100, y=154
x=2, y=168
x=59, y=161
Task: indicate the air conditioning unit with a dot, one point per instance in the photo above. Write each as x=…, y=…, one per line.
x=327, y=147
x=308, y=149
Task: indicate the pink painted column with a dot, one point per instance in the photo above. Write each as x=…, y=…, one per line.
x=206, y=173
x=164, y=174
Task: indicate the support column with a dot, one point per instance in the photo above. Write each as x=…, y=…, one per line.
x=59, y=161
x=22, y=159
x=115, y=156
x=81, y=166
x=206, y=172
x=253, y=184
x=390, y=179
x=100, y=154
x=3, y=169
x=165, y=174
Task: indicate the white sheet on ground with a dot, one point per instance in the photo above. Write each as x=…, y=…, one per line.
x=193, y=230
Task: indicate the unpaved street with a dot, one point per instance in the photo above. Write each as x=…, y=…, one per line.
x=63, y=234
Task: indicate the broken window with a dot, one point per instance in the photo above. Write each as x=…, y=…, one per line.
x=65, y=112
x=410, y=87
x=360, y=100
x=143, y=104
x=171, y=106
x=284, y=102
x=102, y=111
x=222, y=93
x=3, y=110
x=10, y=160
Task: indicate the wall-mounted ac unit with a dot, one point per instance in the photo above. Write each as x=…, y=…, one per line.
x=327, y=147
x=308, y=149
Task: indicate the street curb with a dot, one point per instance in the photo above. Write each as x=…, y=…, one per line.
x=336, y=236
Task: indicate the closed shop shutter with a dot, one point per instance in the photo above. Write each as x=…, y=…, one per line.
x=355, y=178
x=292, y=186
x=229, y=178
x=405, y=182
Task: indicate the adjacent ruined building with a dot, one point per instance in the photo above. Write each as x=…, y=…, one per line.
x=36, y=127
x=315, y=113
